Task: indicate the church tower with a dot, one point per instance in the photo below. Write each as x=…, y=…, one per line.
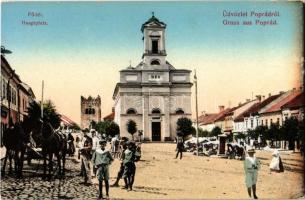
x=154, y=94
x=154, y=42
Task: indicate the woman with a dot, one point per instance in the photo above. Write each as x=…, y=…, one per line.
x=251, y=167
x=276, y=162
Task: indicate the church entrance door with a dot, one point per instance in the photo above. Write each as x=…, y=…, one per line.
x=156, y=131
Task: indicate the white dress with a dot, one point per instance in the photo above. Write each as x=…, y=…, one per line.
x=251, y=167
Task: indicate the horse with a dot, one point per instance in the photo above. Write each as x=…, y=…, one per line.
x=52, y=143
x=15, y=140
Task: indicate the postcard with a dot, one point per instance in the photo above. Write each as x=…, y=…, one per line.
x=152, y=99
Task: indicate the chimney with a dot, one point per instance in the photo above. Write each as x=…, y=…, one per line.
x=301, y=88
x=248, y=100
x=239, y=104
x=282, y=92
x=112, y=109
x=203, y=113
x=263, y=97
x=293, y=88
x=221, y=108
x=259, y=97
x=269, y=95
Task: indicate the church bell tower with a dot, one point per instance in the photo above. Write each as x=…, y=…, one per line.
x=154, y=42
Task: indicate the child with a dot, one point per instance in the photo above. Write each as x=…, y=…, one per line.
x=251, y=166
x=101, y=159
x=129, y=165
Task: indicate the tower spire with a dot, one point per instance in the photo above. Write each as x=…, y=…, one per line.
x=153, y=14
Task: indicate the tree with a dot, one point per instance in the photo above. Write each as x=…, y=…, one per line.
x=273, y=133
x=185, y=127
x=49, y=113
x=201, y=132
x=240, y=136
x=262, y=132
x=93, y=124
x=252, y=134
x=113, y=129
x=215, y=131
x=75, y=126
x=291, y=129
x=101, y=127
x=131, y=127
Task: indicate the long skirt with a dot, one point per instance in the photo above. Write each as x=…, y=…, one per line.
x=251, y=178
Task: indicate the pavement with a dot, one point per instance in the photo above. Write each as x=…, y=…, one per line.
x=33, y=187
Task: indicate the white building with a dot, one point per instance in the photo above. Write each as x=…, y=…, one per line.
x=153, y=94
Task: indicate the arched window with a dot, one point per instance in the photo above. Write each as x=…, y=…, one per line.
x=179, y=111
x=86, y=111
x=155, y=62
x=131, y=111
x=92, y=111
x=156, y=111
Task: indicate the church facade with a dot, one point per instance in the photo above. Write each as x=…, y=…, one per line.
x=154, y=94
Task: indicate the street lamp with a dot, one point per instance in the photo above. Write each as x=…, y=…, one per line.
x=195, y=82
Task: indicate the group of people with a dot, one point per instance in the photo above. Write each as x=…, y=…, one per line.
x=96, y=159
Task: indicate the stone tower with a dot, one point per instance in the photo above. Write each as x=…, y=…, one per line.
x=90, y=110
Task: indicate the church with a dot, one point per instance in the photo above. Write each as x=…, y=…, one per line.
x=154, y=94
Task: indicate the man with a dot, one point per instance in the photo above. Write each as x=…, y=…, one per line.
x=95, y=145
x=121, y=171
x=86, y=155
x=251, y=167
x=101, y=160
x=129, y=165
x=180, y=145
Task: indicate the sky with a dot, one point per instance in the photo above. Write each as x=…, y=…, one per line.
x=84, y=45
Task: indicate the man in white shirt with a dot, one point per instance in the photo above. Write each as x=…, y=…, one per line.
x=95, y=145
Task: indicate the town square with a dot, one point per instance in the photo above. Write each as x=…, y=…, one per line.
x=151, y=100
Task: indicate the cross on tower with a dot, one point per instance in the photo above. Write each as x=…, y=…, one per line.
x=153, y=13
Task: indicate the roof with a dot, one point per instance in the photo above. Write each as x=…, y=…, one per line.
x=278, y=106
x=207, y=118
x=109, y=117
x=155, y=20
x=253, y=110
x=67, y=121
x=295, y=103
x=221, y=115
x=240, y=118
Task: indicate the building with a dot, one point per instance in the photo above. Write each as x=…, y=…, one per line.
x=26, y=96
x=294, y=108
x=208, y=121
x=272, y=113
x=66, y=122
x=90, y=111
x=153, y=94
x=110, y=117
x=229, y=122
x=9, y=99
x=15, y=96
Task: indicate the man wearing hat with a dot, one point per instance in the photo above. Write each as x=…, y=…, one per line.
x=251, y=167
x=101, y=160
